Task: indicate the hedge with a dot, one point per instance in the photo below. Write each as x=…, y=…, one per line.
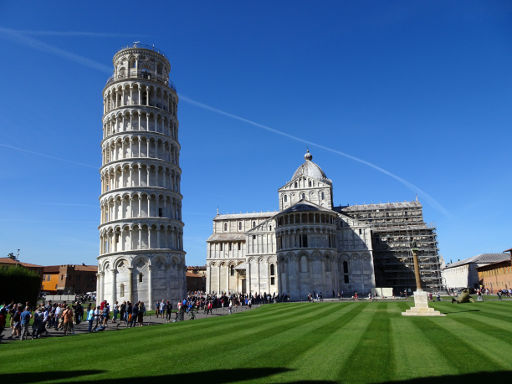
x=19, y=284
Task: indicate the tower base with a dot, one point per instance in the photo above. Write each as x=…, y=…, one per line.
x=421, y=307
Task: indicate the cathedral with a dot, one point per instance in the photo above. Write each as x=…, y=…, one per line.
x=311, y=246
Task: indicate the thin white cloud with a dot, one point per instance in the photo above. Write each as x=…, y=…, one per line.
x=77, y=33
x=37, y=44
x=428, y=198
x=48, y=156
x=19, y=37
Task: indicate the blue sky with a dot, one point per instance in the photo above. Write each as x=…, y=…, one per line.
x=420, y=89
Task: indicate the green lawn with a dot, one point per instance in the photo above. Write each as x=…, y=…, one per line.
x=297, y=342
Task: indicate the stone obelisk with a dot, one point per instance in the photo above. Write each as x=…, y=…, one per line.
x=421, y=307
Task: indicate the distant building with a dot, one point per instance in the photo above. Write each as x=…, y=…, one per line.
x=464, y=273
x=69, y=279
x=196, y=278
x=497, y=275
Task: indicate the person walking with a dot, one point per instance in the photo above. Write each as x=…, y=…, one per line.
x=90, y=316
x=25, y=317
x=168, y=311
x=116, y=312
x=140, y=314
x=67, y=320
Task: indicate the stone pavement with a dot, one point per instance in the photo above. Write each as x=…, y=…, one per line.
x=148, y=320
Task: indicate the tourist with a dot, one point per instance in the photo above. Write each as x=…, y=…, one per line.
x=140, y=313
x=105, y=313
x=58, y=317
x=25, y=317
x=168, y=309
x=37, y=324
x=97, y=317
x=67, y=320
x=15, y=321
x=90, y=316
x=79, y=312
x=161, y=308
x=116, y=312
x=135, y=313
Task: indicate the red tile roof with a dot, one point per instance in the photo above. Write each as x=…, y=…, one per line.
x=8, y=260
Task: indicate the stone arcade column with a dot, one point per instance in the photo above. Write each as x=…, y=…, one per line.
x=134, y=141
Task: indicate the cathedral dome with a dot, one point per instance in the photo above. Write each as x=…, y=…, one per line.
x=308, y=168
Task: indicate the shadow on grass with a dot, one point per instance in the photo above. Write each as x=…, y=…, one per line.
x=462, y=311
x=478, y=377
x=37, y=377
x=219, y=376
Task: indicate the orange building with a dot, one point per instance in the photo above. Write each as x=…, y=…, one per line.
x=496, y=276
x=69, y=279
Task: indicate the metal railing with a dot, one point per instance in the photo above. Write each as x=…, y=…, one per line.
x=144, y=76
x=137, y=44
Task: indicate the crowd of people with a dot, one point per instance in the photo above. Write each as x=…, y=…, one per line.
x=35, y=322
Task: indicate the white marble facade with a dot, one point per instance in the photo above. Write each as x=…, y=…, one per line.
x=141, y=230
x=305, y=247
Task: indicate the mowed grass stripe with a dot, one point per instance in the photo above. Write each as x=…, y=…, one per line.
x=375, y=345
x=415, y=356
x=486, y=346
x=290, y=346
x=167, y=345
x=333, y=351
x=238, y=341
x=502, y=333
x=178, y=356
x=451, y=344
x=173, y=333
x=292, y=332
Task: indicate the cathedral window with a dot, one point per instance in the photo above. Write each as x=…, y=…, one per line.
x=295, y=185
x=230, y=246
x=220, y=247
x=304, y=241
x=303, y=196
x=323, y=196
x=239, y=246
x=346, y=279
x=140, y=277
x=253, y=224
x=285, y=198
x=309, y=183
x=345, y=267
x=239, y=225
x=270, y=227
x=232, y=270
x=225, y=227
x=122, y=290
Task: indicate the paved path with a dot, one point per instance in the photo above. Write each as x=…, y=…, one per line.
x=150, y=320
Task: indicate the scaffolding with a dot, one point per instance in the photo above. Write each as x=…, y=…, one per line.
x=394, y=227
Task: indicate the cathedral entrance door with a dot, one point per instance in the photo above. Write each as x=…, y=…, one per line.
x=243, y=286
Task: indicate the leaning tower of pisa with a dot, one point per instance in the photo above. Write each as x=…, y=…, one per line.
x=141, y=230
